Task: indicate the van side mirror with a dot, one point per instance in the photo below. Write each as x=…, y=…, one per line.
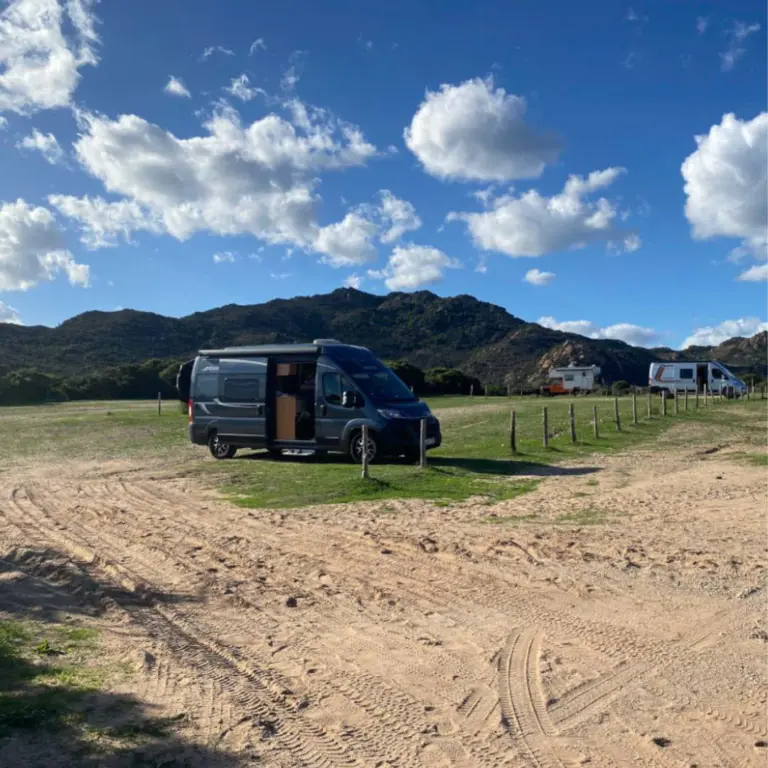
x=350, y=399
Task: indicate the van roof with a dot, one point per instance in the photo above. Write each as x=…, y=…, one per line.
x=688, y=362
x=271, y=349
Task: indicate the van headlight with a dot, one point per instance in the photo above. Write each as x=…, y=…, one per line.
x=392, y=413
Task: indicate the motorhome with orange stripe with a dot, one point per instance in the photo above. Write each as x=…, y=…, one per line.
x=678, y=376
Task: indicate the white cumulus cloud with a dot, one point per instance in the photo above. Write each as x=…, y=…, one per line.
x=241, y=89
x=9, y=315
x=537, y=277
x=44, y=143
x=711, y=336
x=348, y=242
x=175, y=87
x=235, y=179
x=32, y=248
x=223, y=257
x=257, y=45
x=532, y=225
x=3, y=123
x=413, y=266
x=211, y=49
x=726, y=183
x=43, y=45
x=474, y=131
x=354, y=281
x=737, y=34
x=636, y=335
x=755, y=274
x=102, y=222
x=398, y=216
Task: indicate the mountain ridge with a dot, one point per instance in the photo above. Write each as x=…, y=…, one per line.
x=480, y=338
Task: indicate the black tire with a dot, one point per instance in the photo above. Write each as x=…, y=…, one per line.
x=356, y=447
x=219, y=449
x=275, y=453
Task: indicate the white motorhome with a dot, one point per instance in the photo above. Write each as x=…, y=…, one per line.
x=572, y=380
x=674, y=377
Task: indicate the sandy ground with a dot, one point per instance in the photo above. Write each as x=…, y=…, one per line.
x=412, y=634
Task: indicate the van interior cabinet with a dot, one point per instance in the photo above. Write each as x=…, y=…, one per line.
x=285, y=427
x=287, y=369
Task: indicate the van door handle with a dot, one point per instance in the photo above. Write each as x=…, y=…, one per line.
x=323, y=410
x=260, y=410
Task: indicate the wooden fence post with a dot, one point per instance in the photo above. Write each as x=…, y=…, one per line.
x=545, y=424
x=706, y=393
x=423, y=443
x=159, y=403
x=663, y=403
x=572, y=420
x=634, y=408
x=364, y=456
x=616, y=413
x=594, y=421
x=471, y=390
x=508, y=393
x=677, y=407
x=650, y=403
x=686, y=399
x=513, y=432
x=697, y=397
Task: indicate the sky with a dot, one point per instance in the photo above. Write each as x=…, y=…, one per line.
x=597, y=167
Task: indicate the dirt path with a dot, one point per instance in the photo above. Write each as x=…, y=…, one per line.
x=614, y=616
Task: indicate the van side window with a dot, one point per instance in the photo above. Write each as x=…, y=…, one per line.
x=206, y=386
x=717, y=373
x=242, y=389
x=569, y=377
x=686, y=373
x=332, y=388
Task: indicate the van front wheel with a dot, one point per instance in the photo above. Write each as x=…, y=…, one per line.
x=356, y=447
x=219, y=449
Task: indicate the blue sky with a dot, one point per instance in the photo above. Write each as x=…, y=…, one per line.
x=175, y=156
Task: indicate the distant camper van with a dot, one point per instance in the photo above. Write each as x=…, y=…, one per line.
x=302, y=396
x=671, y=378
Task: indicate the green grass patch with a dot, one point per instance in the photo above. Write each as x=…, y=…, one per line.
x=43, y=675
x=756, y=459
x=586, y=516
x=272, y=483
x=474, y=459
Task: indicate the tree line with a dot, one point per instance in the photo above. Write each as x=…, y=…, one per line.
x=142, y=381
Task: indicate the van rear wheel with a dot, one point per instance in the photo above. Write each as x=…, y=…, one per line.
x=356, y=447
x=219, y=449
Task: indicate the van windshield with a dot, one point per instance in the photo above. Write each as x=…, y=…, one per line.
x=372, y=376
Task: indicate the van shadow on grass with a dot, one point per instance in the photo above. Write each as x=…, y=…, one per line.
x=56, y=708
x=509, y=467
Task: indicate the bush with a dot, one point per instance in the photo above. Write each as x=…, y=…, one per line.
x=620, y=387
x=450, y=381
x=411, y=376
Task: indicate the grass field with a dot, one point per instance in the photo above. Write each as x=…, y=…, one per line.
x=475, y=459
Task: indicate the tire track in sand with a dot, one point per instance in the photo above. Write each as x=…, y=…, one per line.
x=591, y=696
x=522, y=700
x=248, y=687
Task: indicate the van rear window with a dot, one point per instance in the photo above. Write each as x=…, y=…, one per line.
x=206, y=386
x=243, y=389
x=686, y=373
